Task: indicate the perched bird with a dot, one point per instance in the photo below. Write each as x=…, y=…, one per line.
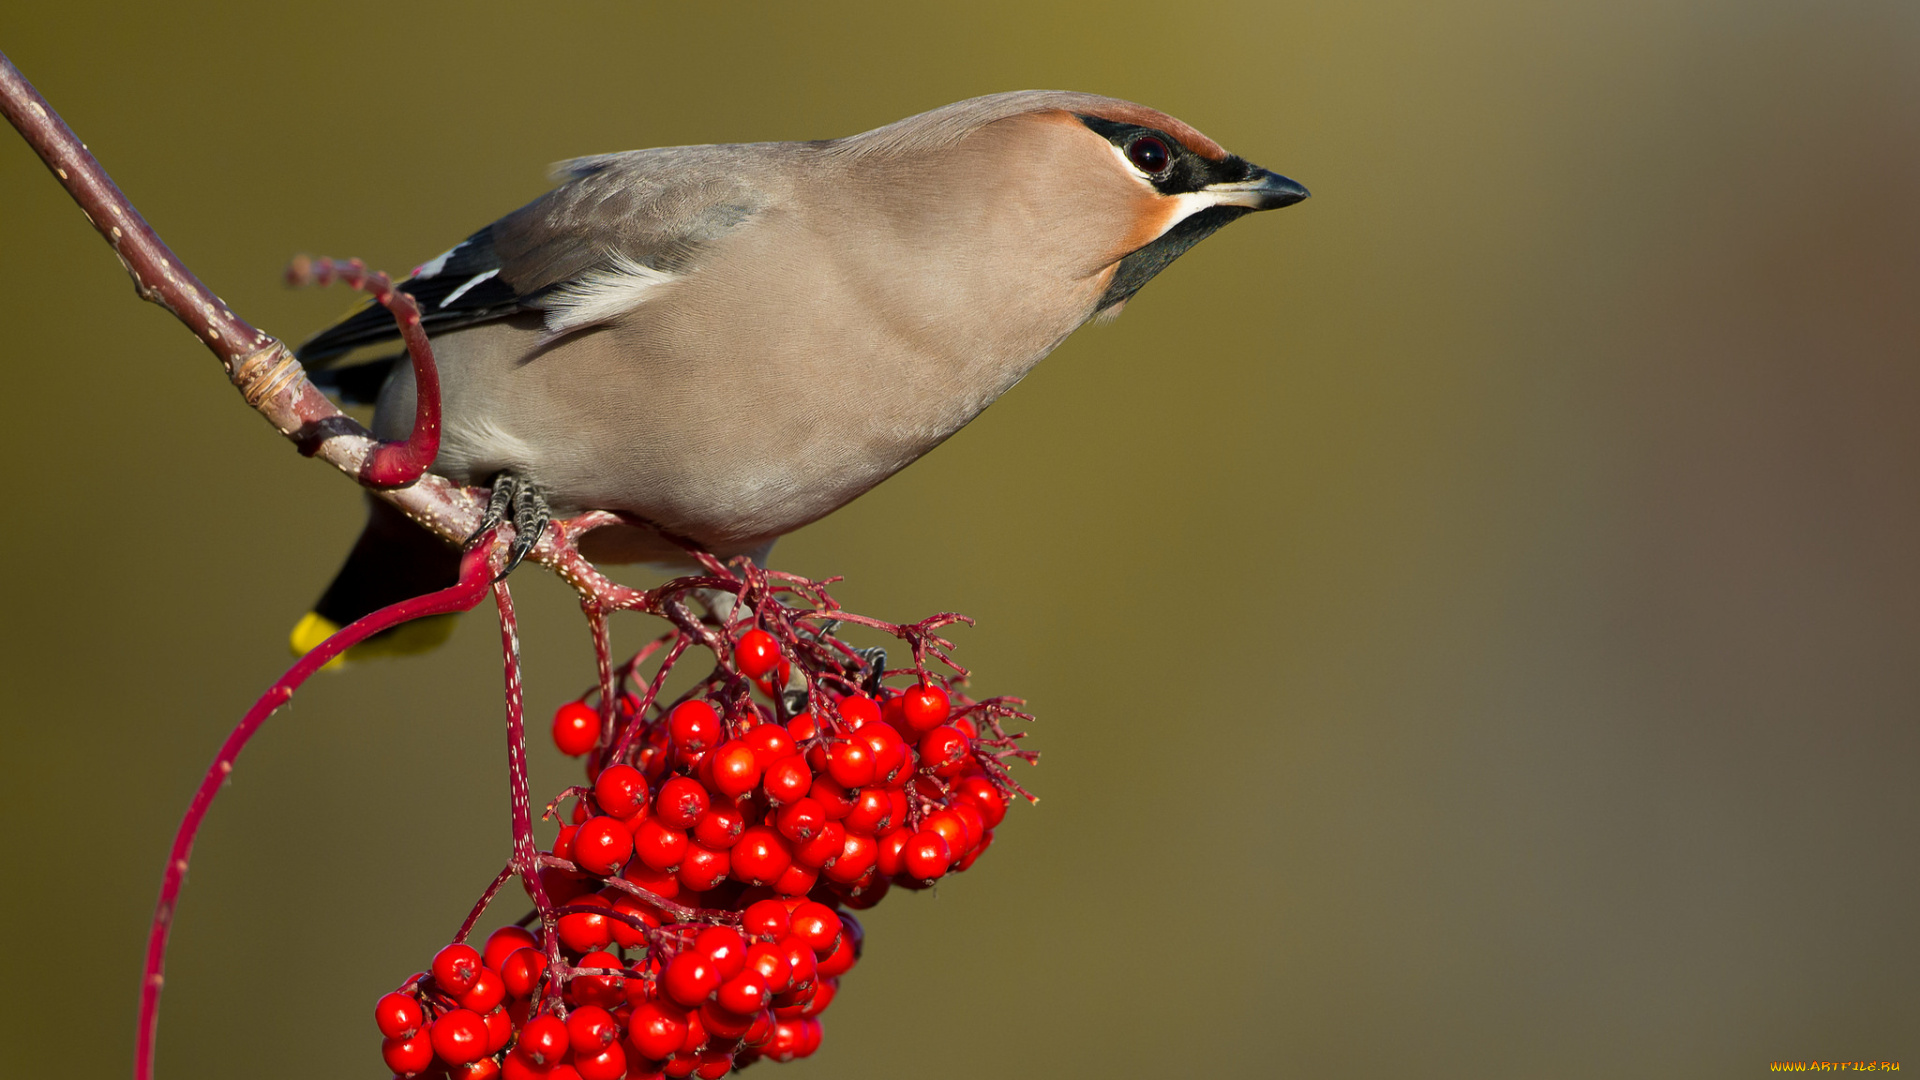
x=729, y=342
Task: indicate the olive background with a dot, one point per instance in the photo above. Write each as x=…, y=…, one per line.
x=1472, y=614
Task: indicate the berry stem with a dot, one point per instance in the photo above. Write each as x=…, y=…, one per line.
x=476, y=567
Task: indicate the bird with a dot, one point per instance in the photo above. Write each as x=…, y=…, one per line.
x=724, y=343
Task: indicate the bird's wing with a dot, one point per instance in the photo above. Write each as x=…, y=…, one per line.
x=618, y=226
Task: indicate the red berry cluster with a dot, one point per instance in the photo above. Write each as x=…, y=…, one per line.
x=696, y=921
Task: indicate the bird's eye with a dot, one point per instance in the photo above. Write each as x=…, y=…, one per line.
x=1148, y=154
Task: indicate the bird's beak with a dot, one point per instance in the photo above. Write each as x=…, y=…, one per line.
x=1262, y=191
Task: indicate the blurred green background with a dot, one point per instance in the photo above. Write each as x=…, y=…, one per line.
x=1473, y=614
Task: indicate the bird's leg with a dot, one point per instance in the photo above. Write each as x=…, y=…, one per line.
x=518, y=498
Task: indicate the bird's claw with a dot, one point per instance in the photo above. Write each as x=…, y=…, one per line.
x=516, y=498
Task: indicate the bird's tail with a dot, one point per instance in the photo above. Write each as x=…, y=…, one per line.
x=393, y=560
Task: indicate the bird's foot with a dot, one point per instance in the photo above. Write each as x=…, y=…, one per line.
x=514, y=498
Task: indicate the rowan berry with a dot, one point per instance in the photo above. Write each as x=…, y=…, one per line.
x=891, y=851
x=925, y=707
x=859, y=711
x=735, y=767
x=681, y=802
x=745, y=994
x=986, y=841
x=460, y=1036
x=620, y=790
x=948, y=825
x=796, y=880
x=927, y=855
x=409, y=1055
x=760, y=856
x=770, y=962
x=817, y=925
x=484, y=1069
x=856, y=857
x=609, y=1064
x=398, y=1015
x=563, y=842
x=586, y=930
x=659, y=845
x=690, y=978
x=841, y=959
x=835, y=799
x=803, y=727
x=503, y=943
x=984, y=797
x=591, y=1029
x=656, y=1029
x=720, y=827
x=626, y=934
x=971, y=822
x=499, y=1029
x=872, y=812
x=605, y=991
x=823, y=991
x=662, y=883
x=486, y=992
x=825, y=844
x=850, y=763
x=943, y=746
x=787, y=779
x=756, y=654
x=543, y=1040
x=576, y=728
x=801, y=962
x=455, y=967
x=695, y=726
x=770, y=743
x=725, y=947
x=800, y=820
x=702, y=867
x=602, y=845
x=522, y=971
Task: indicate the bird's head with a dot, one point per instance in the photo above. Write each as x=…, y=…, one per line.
x=1114, y=190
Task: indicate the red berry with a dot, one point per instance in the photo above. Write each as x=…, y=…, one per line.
x=690, y=978
x=725, y=947
x=850, y=763
x=543, y=1040
x=927, y=855
x=830, y=795
x=605, y=991
x=723, y=1025
x=460, y=1036
x=980, y=792
x=486, y=992
x=841, y=959
x=590, y=1029
x=787, y=779
x=859, y=711
x=455, y=967
x=399, y=1015
x=986, y=841
x=948, y=825
x=522, y=971
x=608, y=1064
x=576, y=728
x=694, y=726
x=856, y=858
x=662, y=883
x=681, y=802
x=971, y=822
x=409, y=1055
x=503, y=943
x=584, y=931
x=803, y=727
x=760, y=856
x=484, y=1069
x=770, y=962
x=891, y=854
x=943, y=746
x=789, y=1038
x=720, y=826
x=702, y=868
x=801, y=962
x=657, y=1029
x=620, y=790
x=735, y=768
x=817, y=925
x=602, y=845
x=756, y=654
x=626, y=934
x=925, y=707
x=800, y=820
x=499, y=1030
x=658, y=844
x=770, y=743
x=765, y=920
x=872, y=812
x=796, y=880
x=825, y=844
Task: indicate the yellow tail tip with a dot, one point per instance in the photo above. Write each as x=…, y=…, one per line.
x=407, y=639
